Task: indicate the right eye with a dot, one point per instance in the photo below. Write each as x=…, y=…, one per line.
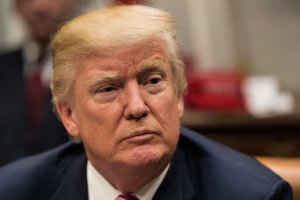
x=106, y=89
x=106, y=93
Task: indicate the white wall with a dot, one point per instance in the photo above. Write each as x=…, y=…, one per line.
x=213, y=35
x=12, y=30
x=179, y=9
x=270, y=33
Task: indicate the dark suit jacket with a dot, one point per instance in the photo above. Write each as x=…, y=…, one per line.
x=13, y=139
x=201, y=169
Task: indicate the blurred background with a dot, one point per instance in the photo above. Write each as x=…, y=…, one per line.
x=243, y=67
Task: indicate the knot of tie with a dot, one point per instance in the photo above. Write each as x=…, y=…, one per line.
x=127, y=197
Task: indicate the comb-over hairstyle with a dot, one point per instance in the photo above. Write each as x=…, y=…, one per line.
x=107, y=29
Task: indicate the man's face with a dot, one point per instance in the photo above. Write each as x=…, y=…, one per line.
x=125, y=108
x=42, y=16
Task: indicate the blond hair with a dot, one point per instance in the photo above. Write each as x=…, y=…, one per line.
x=104, y=30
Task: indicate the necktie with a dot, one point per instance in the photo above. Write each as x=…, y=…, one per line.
x=35, y=97
x=126, y=197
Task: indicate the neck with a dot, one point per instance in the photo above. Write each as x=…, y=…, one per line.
x=129, y=179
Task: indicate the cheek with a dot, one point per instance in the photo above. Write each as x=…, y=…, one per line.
x=93, y=125
x=97, y=133
x=166, y=104
x=97, y=123
x=166, y=112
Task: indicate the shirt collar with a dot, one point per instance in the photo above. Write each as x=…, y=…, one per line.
x=100, y=189
x=31, y=53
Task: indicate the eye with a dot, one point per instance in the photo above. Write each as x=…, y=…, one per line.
x=106, y=93
x=153, y=80
x=154, y=83
x=106, y=89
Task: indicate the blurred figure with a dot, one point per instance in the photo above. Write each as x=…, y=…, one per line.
x=43, y=16
x=27, y=123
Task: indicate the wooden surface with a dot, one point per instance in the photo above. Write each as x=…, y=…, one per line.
x=271, y=136
x=214, y=120
x=287, y=168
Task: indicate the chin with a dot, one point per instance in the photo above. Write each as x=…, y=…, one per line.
x=149, y=155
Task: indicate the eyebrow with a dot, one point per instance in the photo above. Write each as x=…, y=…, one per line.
x=110, y=79
x=150, y=68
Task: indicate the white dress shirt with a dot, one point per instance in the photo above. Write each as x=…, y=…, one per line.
x=100, y=189
x=31, y=52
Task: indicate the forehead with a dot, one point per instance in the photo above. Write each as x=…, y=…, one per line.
x=124, y=58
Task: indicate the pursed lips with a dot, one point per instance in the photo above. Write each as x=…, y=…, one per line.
x=140, y=133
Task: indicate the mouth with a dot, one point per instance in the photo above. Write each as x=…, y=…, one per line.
x=142, y=136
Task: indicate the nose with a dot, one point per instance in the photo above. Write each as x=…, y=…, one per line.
x=135, y=106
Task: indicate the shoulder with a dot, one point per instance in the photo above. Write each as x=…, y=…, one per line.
x=202, y=148
x=11, y=55
x=38, y=174
x=224, y=169
x=55, y=157
x=10, y=62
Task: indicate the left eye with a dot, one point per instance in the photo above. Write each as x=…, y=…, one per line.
x=154, y=84
x=154, y=80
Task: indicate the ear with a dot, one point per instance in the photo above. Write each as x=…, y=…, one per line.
x=180, y=106
x=67, y=116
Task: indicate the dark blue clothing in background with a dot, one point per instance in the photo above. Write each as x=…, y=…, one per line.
x=14, y=141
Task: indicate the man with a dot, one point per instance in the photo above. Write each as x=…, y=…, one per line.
x=27, y=123
x=117, y=87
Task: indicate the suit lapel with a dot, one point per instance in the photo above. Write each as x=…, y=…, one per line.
x=74, y=184
x=177, y=183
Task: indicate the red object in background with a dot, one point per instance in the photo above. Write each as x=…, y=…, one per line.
x=129, y=1
x=217, y=91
